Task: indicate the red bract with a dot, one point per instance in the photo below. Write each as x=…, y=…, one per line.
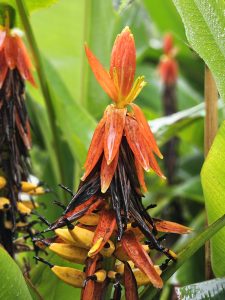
x=13, y=55
x=117, y=121
x=141, y=259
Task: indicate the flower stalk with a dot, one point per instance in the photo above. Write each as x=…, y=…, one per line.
x=211, y=127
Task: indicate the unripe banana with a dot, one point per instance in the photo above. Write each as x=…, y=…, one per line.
x=121, y=255
x=70, y=276
x=37, y=191
x=69, y=252
x=27, y=186
x=4, y=203
x=2, y=182
x=90, y=220
x=100, y=275
x=23, y=209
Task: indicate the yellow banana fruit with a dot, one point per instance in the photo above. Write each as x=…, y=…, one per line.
x=30, y=204
x=142, y=278
x=90, y=220
x=70, y=276
x=37, y=191
x=100, y=275
x=69, y=252
x=27, y=186
x=77, y=236
x=119, y=267
x=108, y=249
x=111, y=274
x=2, y=182
x=4, y=203
x=23, y=209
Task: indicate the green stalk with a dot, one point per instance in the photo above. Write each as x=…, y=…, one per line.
x=185, y=254
x=43, y=83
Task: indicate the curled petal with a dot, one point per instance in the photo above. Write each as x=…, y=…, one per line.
x=95, y=149
x=104, y=230
x=101, y=75
x=11, y=51
x=115, y=121
x=140, y=174
x=141, y=259
x=167, y=226
x=23, y=61
x=107, y=172
x=145, y=129
x=3, y=68
x=136, y=142
x=131, y=289
x=123, y=61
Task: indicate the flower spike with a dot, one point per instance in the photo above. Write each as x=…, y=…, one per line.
x=106, y=216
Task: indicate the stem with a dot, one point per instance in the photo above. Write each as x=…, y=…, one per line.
x=211, y=107
x=211, y=126
x=43, y=83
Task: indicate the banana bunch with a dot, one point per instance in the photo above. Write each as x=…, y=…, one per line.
x=22, y=209
x=92, y=240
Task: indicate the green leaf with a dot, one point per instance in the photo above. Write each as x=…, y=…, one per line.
x=166, y=127
x=207, y=290
x=204, y=24
x=213, y=183
x=185, y=254
x=13, y=285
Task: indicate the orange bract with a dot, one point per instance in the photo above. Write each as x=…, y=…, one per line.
x=141, y=259
x=123, y=62
x=117, y=122
x=104, y=230
x=13, y=54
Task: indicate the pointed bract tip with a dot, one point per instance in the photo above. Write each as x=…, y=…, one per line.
x=104, y=189
x=126, y=29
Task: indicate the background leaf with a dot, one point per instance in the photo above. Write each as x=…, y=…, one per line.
x=213, y=183
x=13, y=284
x=207, y=290
x=204, y=24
